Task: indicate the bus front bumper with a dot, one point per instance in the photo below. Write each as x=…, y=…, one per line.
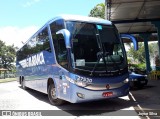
x=80, y=94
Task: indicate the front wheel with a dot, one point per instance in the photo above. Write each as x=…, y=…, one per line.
x=52, y=96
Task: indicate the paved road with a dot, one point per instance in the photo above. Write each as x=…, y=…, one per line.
x=148, y=99
x=149, y=96
x=12, y=97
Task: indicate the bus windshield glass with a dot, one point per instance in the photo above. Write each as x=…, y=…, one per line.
x=95, y=47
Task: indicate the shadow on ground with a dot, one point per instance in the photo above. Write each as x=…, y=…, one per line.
x=88, y=108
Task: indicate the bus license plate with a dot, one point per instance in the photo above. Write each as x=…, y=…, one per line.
x=107, y=94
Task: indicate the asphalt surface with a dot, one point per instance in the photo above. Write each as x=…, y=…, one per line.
x=148, y=98
x=13, y=97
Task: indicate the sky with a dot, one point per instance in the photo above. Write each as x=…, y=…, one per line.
x=20, y=19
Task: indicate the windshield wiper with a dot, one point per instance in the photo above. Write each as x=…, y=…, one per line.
x=114, y=62
x=98, y=59
x=99, y=56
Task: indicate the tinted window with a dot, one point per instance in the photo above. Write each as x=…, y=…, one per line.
x=38, y=43
x=95, y=46
x=56, y=26
x=61, y=51
x=59, y=43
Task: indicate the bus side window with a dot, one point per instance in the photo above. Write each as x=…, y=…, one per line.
x=37, y=43
x=59, y=43
x=43, y=41
x=61, y=51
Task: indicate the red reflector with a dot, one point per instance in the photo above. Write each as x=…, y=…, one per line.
x=107, y=94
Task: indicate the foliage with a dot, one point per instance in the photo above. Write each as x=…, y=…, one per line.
x=139, y=56
x=138, y=66
x=98, y=11
x=153, y=47
x=137, y=59
x=7, y=56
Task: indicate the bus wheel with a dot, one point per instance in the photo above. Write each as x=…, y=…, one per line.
x=20, y=80
x=23, y=84
x=52, y=96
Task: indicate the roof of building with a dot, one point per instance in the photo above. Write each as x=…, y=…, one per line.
x=134, y=16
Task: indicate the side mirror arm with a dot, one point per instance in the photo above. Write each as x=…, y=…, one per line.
x=66, y=34
x=132, y=38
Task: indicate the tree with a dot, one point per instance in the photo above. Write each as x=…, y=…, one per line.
x=2, y=44
x=139, y=56
x=7, y=56
x=98, y=11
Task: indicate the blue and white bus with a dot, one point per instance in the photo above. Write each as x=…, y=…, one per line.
x=76, y=59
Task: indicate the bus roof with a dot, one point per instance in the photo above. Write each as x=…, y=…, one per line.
x=74, y=18
x=82, y=18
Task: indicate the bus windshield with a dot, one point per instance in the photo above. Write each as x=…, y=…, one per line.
x=95, y=47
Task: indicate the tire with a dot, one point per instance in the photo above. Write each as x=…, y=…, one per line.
x=52, y=96
x=139, y=85
x=23, y=84
x=20, y=80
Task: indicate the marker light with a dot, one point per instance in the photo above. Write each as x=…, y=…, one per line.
x=80, y=95
x=70, y=79
x=126, y=80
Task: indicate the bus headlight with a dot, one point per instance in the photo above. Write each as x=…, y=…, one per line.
x=126, y=80
x=81, y=83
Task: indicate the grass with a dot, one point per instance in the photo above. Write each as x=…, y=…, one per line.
x=7, y=80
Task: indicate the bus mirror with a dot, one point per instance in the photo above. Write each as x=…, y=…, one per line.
x=66, y=34
x=132, y=38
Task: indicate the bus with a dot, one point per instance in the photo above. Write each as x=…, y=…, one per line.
x=76, y=59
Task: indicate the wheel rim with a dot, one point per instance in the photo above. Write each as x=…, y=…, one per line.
x=23, y=84
x=53, y=93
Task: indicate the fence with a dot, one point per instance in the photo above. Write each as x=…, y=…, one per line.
x=155, y=75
